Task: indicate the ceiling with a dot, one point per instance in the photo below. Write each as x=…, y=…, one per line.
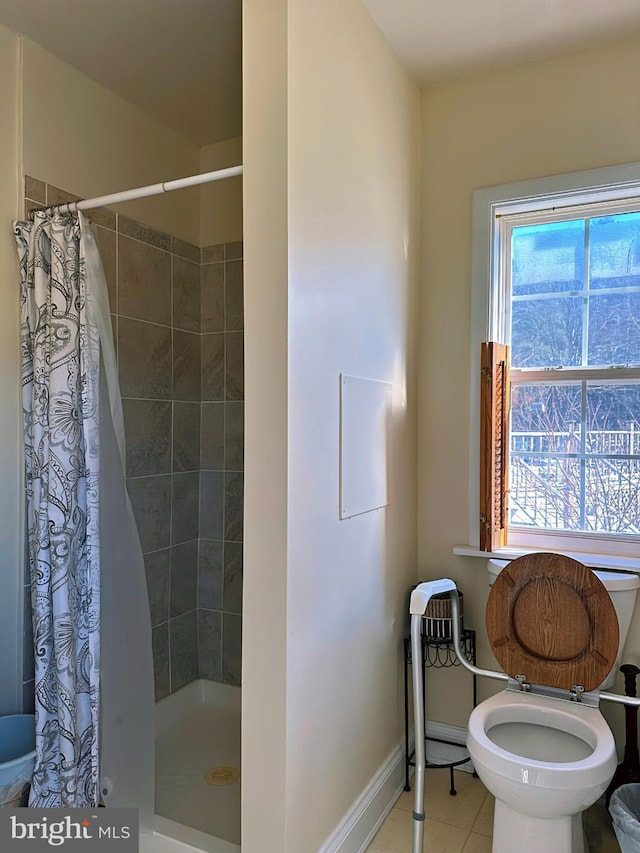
x=180, y=60
x=441, y=40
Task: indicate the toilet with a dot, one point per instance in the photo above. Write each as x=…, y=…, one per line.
x=542, y=747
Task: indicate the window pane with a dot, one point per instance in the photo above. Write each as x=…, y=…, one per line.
x=614, y=250
x=613, y=419
x=574, y=450
x=612, y=496
x=614, y=328
x=544, y=492
x=548, y=258
x=545, y=418
x=546, y=332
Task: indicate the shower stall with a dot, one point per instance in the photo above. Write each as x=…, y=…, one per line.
x=177, y=323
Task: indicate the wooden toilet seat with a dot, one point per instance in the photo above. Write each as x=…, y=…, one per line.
x=550, y=619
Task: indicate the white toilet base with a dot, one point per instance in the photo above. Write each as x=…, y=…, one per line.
x=515, y=831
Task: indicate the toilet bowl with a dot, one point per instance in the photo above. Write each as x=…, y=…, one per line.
x=545, y=764
x=542, y=747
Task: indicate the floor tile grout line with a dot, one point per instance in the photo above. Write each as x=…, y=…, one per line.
x=471, y=830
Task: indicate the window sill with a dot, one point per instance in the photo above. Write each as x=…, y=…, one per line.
x=594, y=561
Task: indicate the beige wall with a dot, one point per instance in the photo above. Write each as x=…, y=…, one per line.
x=84, y=139
x=221, y=201
x=353, y=255
x=571, y=112
x=11, y=457
x=264, y=607
x=350, y=192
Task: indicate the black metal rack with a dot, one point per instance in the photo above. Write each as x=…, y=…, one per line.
x=628, y=771
x=437, y=652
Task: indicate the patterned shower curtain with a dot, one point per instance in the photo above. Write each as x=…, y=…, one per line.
x=60, y=392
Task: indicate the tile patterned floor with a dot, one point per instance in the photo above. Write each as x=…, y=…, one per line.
x=464, y=823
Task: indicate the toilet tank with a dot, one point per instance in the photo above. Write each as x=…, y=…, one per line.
x=621, y=586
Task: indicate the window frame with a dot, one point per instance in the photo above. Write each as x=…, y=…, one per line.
x=605, y=187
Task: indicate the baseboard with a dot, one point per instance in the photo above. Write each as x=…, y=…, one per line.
x=354, y=833
x=362, y=821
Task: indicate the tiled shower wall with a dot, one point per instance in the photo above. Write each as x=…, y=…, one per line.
x=221, y=463
x=178, y=330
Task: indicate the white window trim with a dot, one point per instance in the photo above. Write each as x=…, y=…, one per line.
x=595, y=185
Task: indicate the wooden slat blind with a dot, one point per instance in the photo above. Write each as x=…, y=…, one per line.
x=494, y=445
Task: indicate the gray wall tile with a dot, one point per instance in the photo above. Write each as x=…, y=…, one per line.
x=151, y=501
x=184, y=578
x=106, y=241
x=234, y=437
x=212, y=442
x=160, y=643
x=233, y=506
x=183, y=640
x=213, y=367
x=104, y=217
x=210, y=644
x=212, y=298
x=234, y=296
x=131, y=228
x=35, y=189
x=231, y=648
x=210, y=575
x=184, y=515
x=114, y=329
x=186, y=366
x=234, y=365
x=232, y=251
x=157, y=569
x=144, y=282
x=29, y=206
x=212, y=254
x=148, y=435
x=57, y=196
x=185, y=250
x=232, y=594
x=186, y=436
x=211, y=504
x=186, y=295
x=144, y=359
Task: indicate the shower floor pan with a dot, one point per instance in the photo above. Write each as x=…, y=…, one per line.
x=198, y=739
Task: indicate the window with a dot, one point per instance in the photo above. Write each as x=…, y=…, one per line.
x=564, y=296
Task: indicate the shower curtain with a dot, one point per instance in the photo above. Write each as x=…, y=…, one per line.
x=91, y=625
x=60, y=382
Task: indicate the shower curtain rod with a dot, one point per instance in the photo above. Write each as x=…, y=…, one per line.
x=142, y=192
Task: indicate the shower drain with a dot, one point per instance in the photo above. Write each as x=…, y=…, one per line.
x=222, y=775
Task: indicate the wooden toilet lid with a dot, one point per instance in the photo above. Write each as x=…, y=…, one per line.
x=551, y=619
